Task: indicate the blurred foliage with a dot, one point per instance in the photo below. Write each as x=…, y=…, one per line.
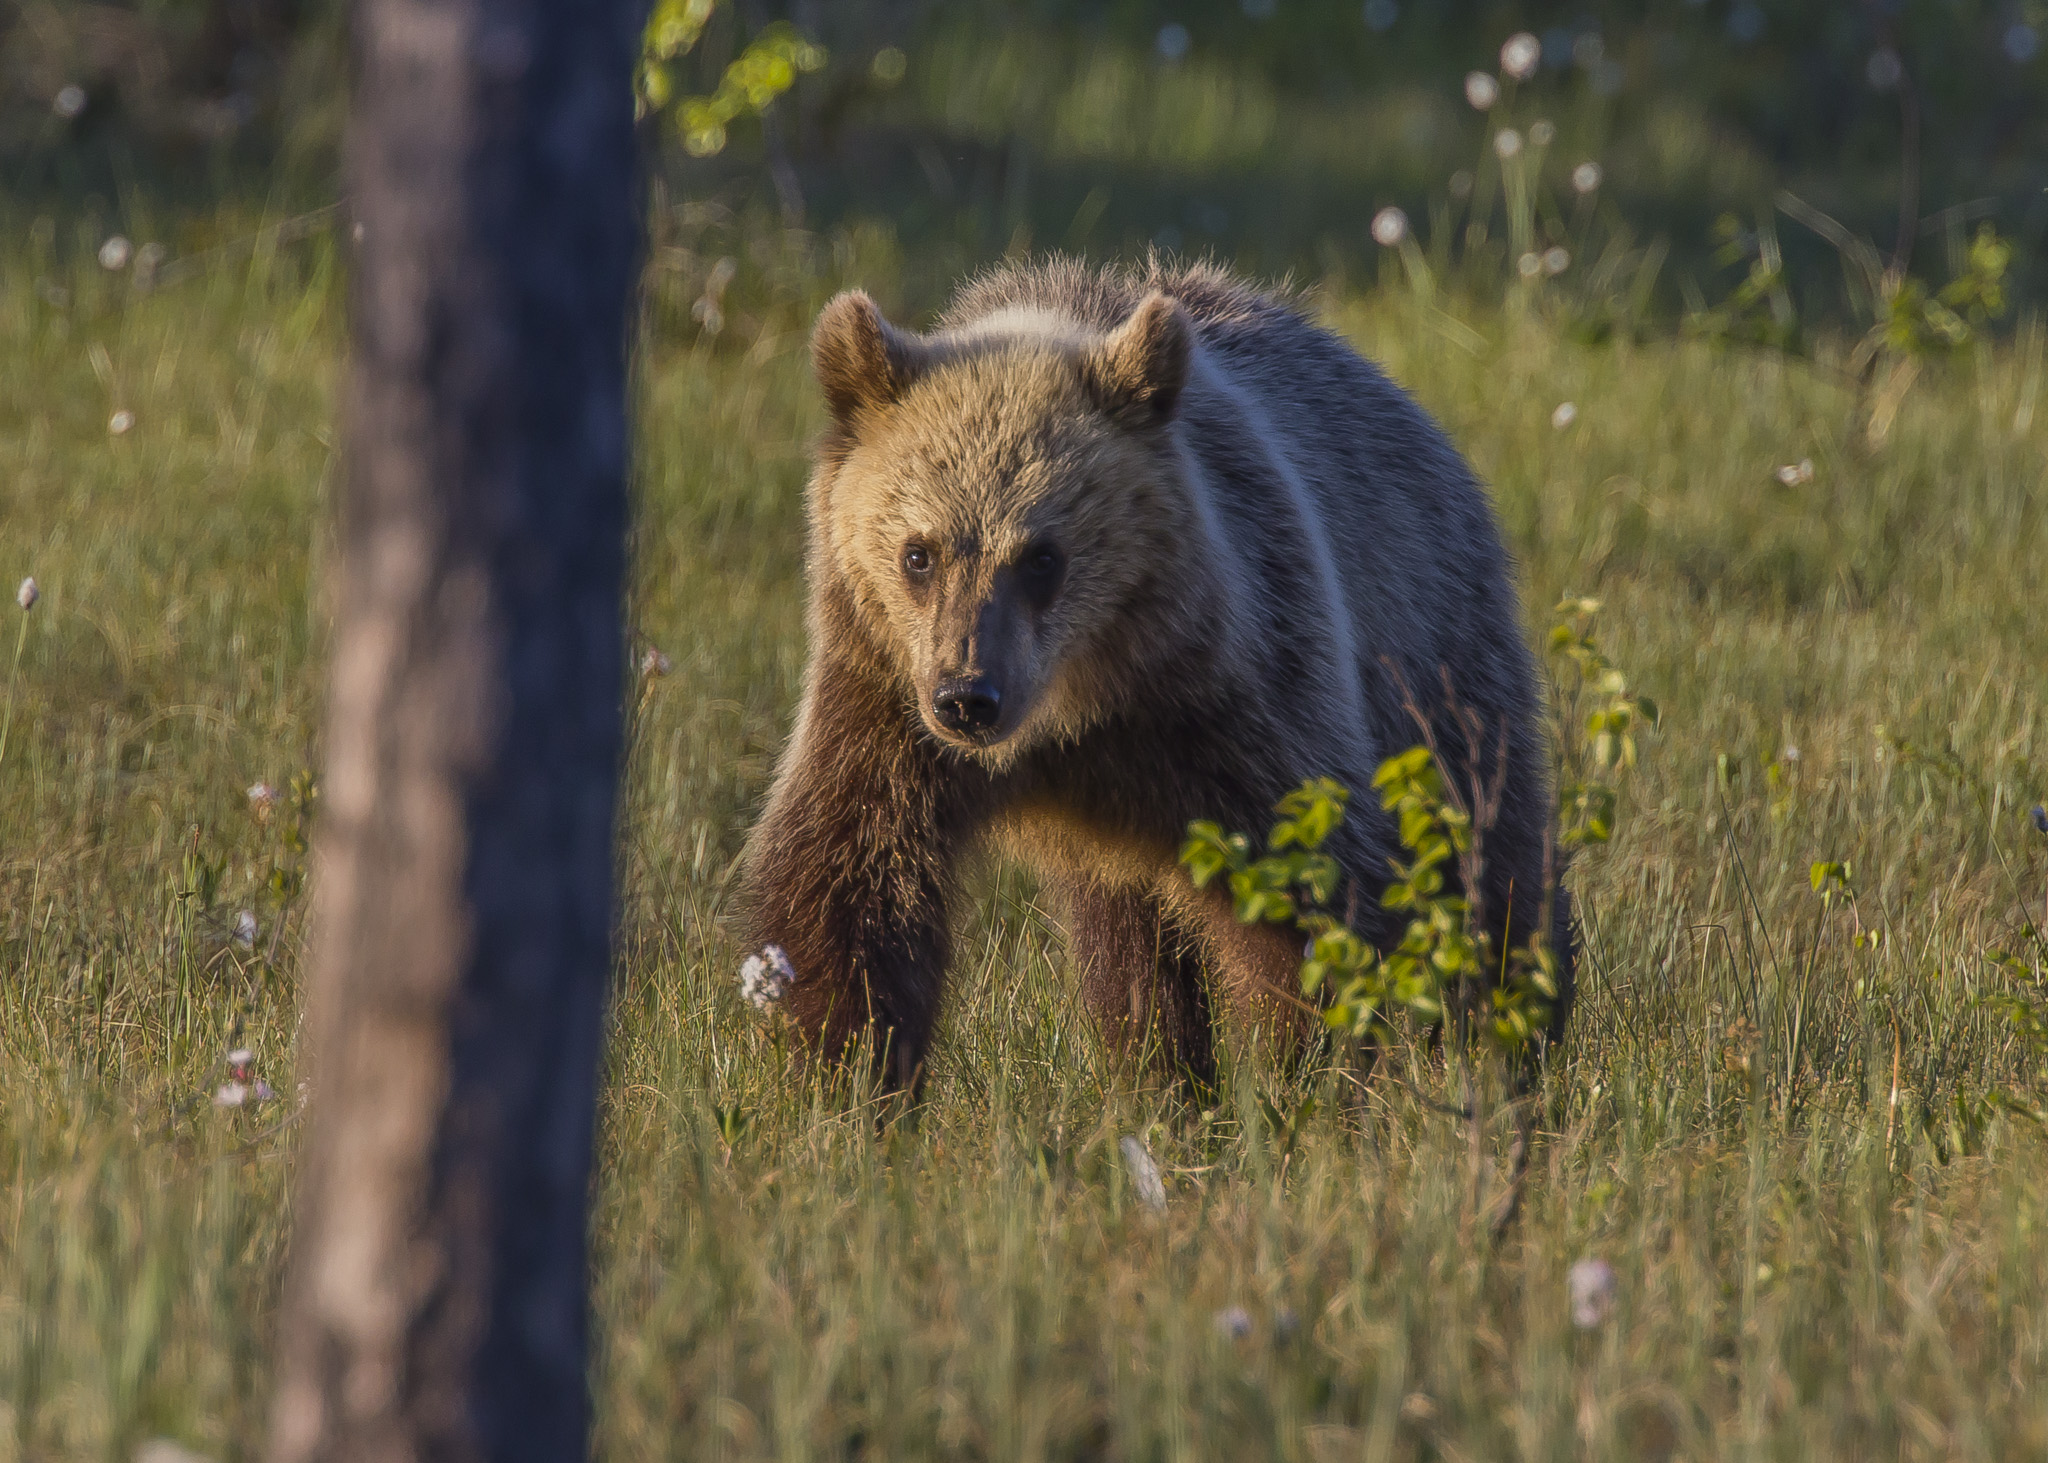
x=765, y=70
x=1917, y=322
x=1270, y=130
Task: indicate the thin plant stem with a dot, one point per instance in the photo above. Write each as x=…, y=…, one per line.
x=14, y=671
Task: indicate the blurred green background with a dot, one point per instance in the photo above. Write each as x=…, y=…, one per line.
x=1267, y=130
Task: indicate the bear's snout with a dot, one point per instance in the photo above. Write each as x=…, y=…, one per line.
x=971, y=706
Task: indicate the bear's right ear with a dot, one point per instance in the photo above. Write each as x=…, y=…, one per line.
x=862, y=362
x=1137, y=372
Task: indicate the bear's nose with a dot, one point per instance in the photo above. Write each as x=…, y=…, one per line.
x=967, y=705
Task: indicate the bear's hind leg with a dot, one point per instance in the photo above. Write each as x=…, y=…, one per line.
x=1257, y=971
x=1142, y=979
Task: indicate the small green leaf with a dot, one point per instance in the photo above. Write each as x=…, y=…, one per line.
x=1402, y=767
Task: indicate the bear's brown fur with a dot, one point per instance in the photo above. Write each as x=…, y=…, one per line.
x=1106, y=552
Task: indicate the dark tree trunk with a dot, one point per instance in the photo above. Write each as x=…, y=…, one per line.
x=435, y=1305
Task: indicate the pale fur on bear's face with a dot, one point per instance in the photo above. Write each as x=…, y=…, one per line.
x=996, y=503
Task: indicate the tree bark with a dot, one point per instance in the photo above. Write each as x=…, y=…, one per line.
x=435, y=1301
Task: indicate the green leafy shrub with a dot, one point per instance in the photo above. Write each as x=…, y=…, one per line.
x=1445, y=964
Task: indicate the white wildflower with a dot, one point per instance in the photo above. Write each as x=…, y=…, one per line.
x=1564, y=416
x=1144, y=1174
x=1520, y=54
x=262, y=798
x=654, y=663
x=69, y=101
x=1593, y=1286
x=120, y=422
x=1482, y=91
x=1234, y=1322
x=1507, y=142
x=1172, y=41
x=28, y=594
x=1556, y=260
x=1542, y=133
x=765, y=978
x=1529, y=265
x=115, y=253
x=245, y=929
x=1796, y=474
x=1389, y=227
x=1586, y=178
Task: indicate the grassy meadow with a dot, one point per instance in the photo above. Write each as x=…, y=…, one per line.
x=1824, y=1233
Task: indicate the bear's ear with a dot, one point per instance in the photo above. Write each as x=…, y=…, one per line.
x=1136, y=374
x=862, y=361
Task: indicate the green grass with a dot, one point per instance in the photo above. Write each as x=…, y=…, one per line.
x=1805, y=1270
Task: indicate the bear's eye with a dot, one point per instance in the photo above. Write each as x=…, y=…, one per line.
x=917, y=561
x=1040, y=569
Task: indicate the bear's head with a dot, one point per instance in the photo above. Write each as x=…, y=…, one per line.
x=1001, y=504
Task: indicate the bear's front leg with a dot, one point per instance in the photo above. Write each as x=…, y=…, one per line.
x=851, y=871
x=1141, y=977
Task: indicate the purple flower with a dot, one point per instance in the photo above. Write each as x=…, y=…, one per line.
x=243, y=1087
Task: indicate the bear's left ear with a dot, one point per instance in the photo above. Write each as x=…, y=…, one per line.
x=1136, y=374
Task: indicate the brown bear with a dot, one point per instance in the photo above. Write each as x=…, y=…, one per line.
x=1105, y=552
